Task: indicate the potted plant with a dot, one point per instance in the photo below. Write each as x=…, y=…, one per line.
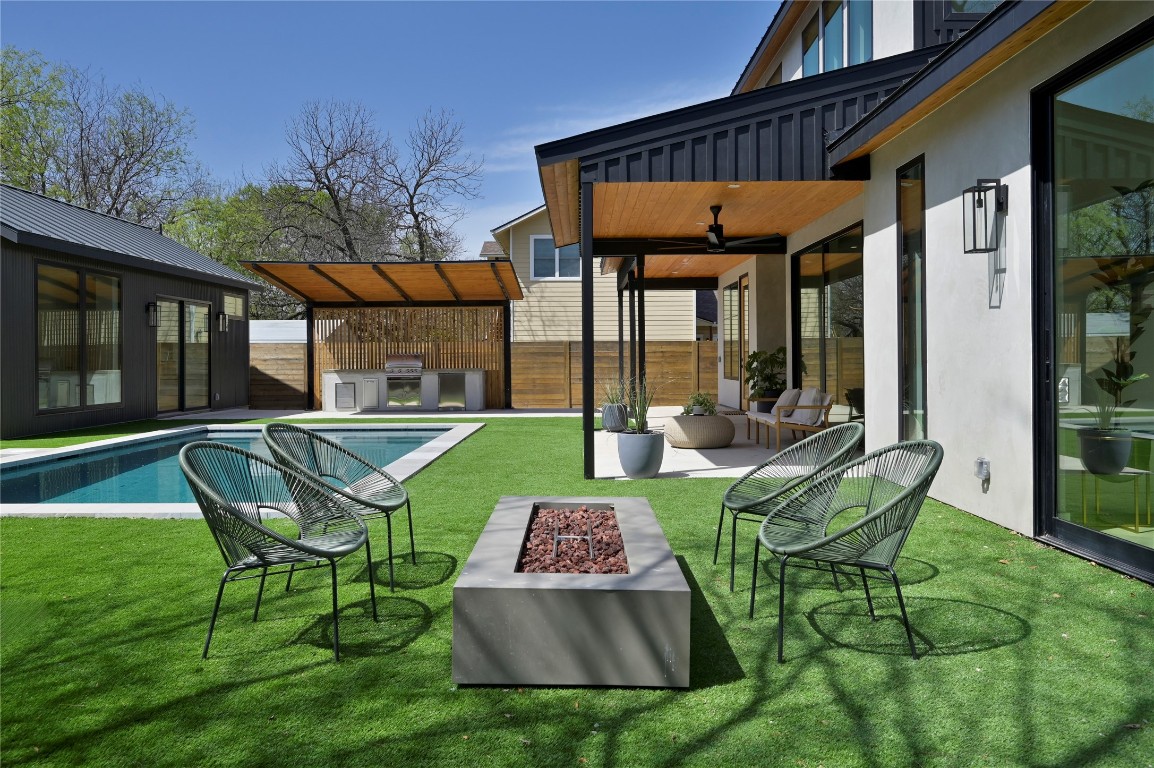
x=1106, y=446
x=639, y=449
x=614, y=414
x=700, y=404
x=765, y=375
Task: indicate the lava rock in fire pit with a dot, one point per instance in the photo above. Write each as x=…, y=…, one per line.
x=572, y=554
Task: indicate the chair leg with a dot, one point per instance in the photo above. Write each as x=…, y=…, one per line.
x=753, y=588
x=259, y=592
x=720, y=525
x=215, y=611
x=836, y=583
x=372, y=588
x=336, y=630
x=905, y=616
x=869, y=600
x=289, y=582
x=412, y=542
x=732, y=551
x=389, y=530
x=781, y=612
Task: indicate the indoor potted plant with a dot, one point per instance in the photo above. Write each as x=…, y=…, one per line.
x=639, y=449
x=614, y=414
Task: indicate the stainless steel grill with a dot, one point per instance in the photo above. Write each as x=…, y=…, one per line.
x=403, y=380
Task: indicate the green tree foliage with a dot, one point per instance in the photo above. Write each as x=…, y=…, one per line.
x=72, y=136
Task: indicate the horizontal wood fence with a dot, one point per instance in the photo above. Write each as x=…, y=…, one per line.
x=545, y=374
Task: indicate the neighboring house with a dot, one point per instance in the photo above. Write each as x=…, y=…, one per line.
x=848, y=162
x=106, y=321
x=551, y=281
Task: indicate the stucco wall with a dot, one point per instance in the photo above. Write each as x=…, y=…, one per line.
x=979, y=345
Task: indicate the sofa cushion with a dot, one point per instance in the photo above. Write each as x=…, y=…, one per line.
x=785, y=402
x=809, y=396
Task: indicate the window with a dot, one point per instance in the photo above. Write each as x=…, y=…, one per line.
x=549, y=263
x=841, y=32
x=810, y=56
x=860, y=41
x=834, y=44
x=74, y=305
x=735, y=327
x=828, y=319
x=234, y=306
x=912, y=310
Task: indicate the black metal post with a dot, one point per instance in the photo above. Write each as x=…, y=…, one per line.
x=587, y=327
x=641, y=318
x=620, y=334
x=507, y=329
x=310, y=359
x=632, y=328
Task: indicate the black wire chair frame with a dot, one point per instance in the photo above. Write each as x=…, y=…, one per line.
x=235, y=490
x=887, y=487
x=780, y=474
x=375, y=492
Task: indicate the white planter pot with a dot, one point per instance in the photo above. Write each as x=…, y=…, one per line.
x=640, y=454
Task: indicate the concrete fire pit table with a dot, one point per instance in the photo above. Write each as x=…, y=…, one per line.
x=571, y=629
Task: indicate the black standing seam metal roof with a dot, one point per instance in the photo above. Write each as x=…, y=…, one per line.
x=34, y=220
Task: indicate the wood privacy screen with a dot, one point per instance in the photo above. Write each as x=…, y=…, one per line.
x=444, y=337
x=545, y=374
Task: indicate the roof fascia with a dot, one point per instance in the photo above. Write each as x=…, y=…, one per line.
x=751, y=72
x=979, y=42
x=33, y=240
x=518, y=220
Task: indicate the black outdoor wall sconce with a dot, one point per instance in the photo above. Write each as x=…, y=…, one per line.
x=222, y=322
x=150, y=311
x=983, y=208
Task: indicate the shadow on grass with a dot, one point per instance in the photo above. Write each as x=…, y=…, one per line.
x=431, y=569
x=711, y=658
x=400, y=621
x=941, y=627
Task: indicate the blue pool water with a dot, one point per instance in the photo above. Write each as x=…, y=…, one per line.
x=149, y=472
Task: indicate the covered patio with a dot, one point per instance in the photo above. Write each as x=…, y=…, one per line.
x=676, y=200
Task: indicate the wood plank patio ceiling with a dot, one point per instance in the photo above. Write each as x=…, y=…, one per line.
x=670, y=210
x=393, y=283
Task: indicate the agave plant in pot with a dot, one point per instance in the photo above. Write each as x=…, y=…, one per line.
x=1106, y=445
x=639, y=449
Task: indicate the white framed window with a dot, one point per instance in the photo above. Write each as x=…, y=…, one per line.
x=547, y=262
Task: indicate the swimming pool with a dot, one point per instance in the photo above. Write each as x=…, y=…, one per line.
x=141, y=476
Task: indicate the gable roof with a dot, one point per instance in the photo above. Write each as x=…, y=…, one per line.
x=41, y=222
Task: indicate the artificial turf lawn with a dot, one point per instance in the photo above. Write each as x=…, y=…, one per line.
x=1031, y=657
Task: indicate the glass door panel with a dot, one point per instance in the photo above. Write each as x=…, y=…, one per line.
x=1104, y=230
x=168, y=356
x=196, y=383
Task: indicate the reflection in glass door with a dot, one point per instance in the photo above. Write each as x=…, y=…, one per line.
x=1104, y=297
x=182, y=356
x=829, y=322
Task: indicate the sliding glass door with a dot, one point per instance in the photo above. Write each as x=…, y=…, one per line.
x=182, y=356
x=1103, y=251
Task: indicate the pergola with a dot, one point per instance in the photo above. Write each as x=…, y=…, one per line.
x=353, y=285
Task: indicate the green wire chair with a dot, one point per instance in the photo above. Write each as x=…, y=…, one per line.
x=885, y=488
x=783, y=472
x=235, y=489
x=375, y=492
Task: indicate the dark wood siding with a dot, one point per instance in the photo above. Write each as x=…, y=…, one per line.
x=18, y=406
x=772, y=134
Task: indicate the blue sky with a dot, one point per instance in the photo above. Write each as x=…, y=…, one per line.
x=515, y=73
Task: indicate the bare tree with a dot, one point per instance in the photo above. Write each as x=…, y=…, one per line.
x=428, y=183
x=331, y=198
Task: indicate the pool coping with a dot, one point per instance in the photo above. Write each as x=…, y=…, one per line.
x=403, y=468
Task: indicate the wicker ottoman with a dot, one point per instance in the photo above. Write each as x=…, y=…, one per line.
x=698, y=431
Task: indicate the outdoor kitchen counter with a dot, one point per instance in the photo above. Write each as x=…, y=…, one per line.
x=431, y=390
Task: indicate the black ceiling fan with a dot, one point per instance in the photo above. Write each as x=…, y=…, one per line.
x=715, y=241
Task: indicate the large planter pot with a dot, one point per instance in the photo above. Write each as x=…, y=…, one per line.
x=1105, y=451
x=640, y=454
x=614, y=417
x=765, y=406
